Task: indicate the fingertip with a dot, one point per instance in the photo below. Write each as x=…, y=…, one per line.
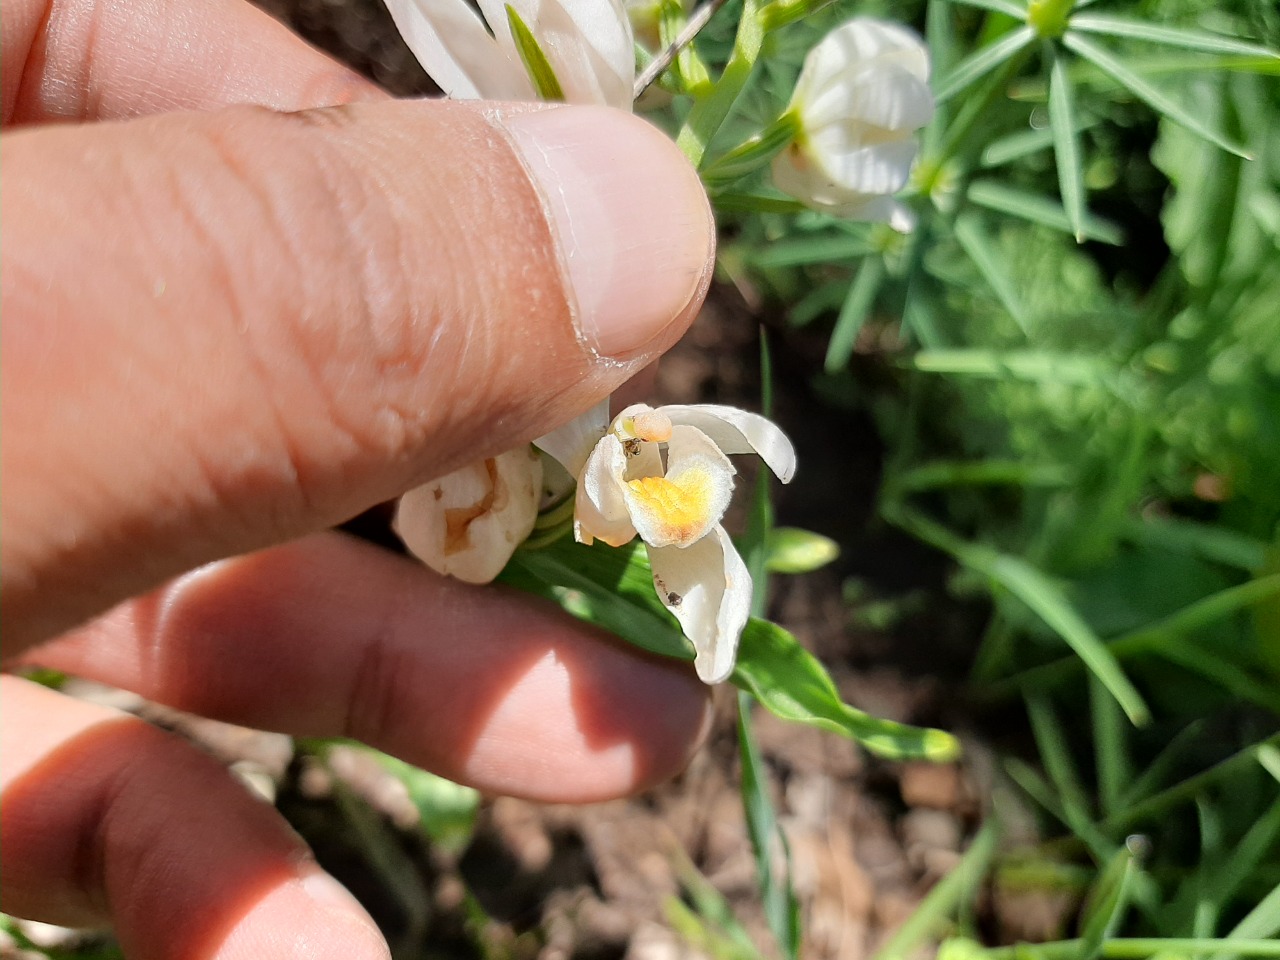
x=634, y=227
x=314, y=915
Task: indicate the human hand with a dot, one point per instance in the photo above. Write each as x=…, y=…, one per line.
x=227, y=329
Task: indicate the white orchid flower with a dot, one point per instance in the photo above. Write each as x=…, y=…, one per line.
x=468, y=523
x=588, y=44
x=663, y=474
x=863, y=92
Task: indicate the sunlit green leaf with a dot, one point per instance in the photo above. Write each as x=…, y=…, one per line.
x=791, y=683
x=1038, y=209
x=1066, y=148
x=1116, y=26
x=982, y=62
x=1149, y=94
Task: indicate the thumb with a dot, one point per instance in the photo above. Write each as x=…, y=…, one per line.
x=227, y=329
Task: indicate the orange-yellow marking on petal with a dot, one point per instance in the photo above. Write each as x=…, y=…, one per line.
x=680, y=507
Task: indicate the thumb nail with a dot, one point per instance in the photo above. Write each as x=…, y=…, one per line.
x=635, y=231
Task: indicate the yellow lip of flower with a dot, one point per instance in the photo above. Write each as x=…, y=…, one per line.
x=675, y=510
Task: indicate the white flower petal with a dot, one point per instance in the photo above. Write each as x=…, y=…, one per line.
x=573, y=443
x=600, y=509
x=457, y=51
x=468, y=523
x=739, y=431
x=708, y=589
x=681, y=507
x=862, y=94
x=587, y=42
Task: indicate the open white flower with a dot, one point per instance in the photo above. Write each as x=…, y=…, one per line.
x=862, y=94
x=588, y=44
x=663, y=474
x=468, y=523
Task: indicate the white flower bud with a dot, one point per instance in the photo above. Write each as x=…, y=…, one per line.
x=862, y=94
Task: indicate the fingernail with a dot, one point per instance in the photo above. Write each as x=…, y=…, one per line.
x=633, y=223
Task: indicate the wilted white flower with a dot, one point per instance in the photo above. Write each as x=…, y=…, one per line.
x=468, y=523
x=862, y=94
x=588, y=44
x=663, y=474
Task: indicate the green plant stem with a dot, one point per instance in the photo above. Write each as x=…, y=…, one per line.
x=709, y=113
x=1146, y=639
x=1136, y=948
x=1156, y=805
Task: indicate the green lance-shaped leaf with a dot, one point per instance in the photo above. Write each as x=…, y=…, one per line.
x=534, y=59
x=982, y=62
x=853, y=314
x=1066, y=146
x=1148, y=93
x=790, y=682
x=1114, y=26
x=1107, y=903
x=613, y=587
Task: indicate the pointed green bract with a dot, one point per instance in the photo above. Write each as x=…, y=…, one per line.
x=983, y=62
x=1066, y=147
x=534, y=59
x=1149, y=94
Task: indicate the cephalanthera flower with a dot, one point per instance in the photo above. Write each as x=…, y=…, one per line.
x=663, y=474
x=862, y=94
x=468, y=523
x=588, y=44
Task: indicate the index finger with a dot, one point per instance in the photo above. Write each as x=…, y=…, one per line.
x=95, y=60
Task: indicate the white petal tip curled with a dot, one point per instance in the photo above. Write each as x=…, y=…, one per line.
x=468, y=523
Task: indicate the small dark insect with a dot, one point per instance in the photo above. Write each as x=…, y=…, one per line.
x=674, y=599
x=631, y=447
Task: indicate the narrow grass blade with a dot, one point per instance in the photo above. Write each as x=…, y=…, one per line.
x=1157, y=804
x=952, y=892
x=802, y=251
x=853, y=314
x=1217, y=544
x=781, y=908
x=1114, y=26
x=1066, y=147
x=1149, y=94
x=948, y=473
x=973, y=239
x=1045, y=598
x=1110, y=747
x=1072, y=798
x=1159, y=769
x=1042, y=596
x=982, y=62
x=1038, y=209
x=1260, y=923
x=1107, y=902
x=1225, y=674
x=1032, y=365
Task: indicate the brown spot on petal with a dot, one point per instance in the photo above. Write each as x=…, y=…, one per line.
x=458, y=520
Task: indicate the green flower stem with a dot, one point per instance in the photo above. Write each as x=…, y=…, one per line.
x=751, y=155
x=1155, y=806
x=691, y=73
x=557, y=515
x=1136, y=948
x=709, y=113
